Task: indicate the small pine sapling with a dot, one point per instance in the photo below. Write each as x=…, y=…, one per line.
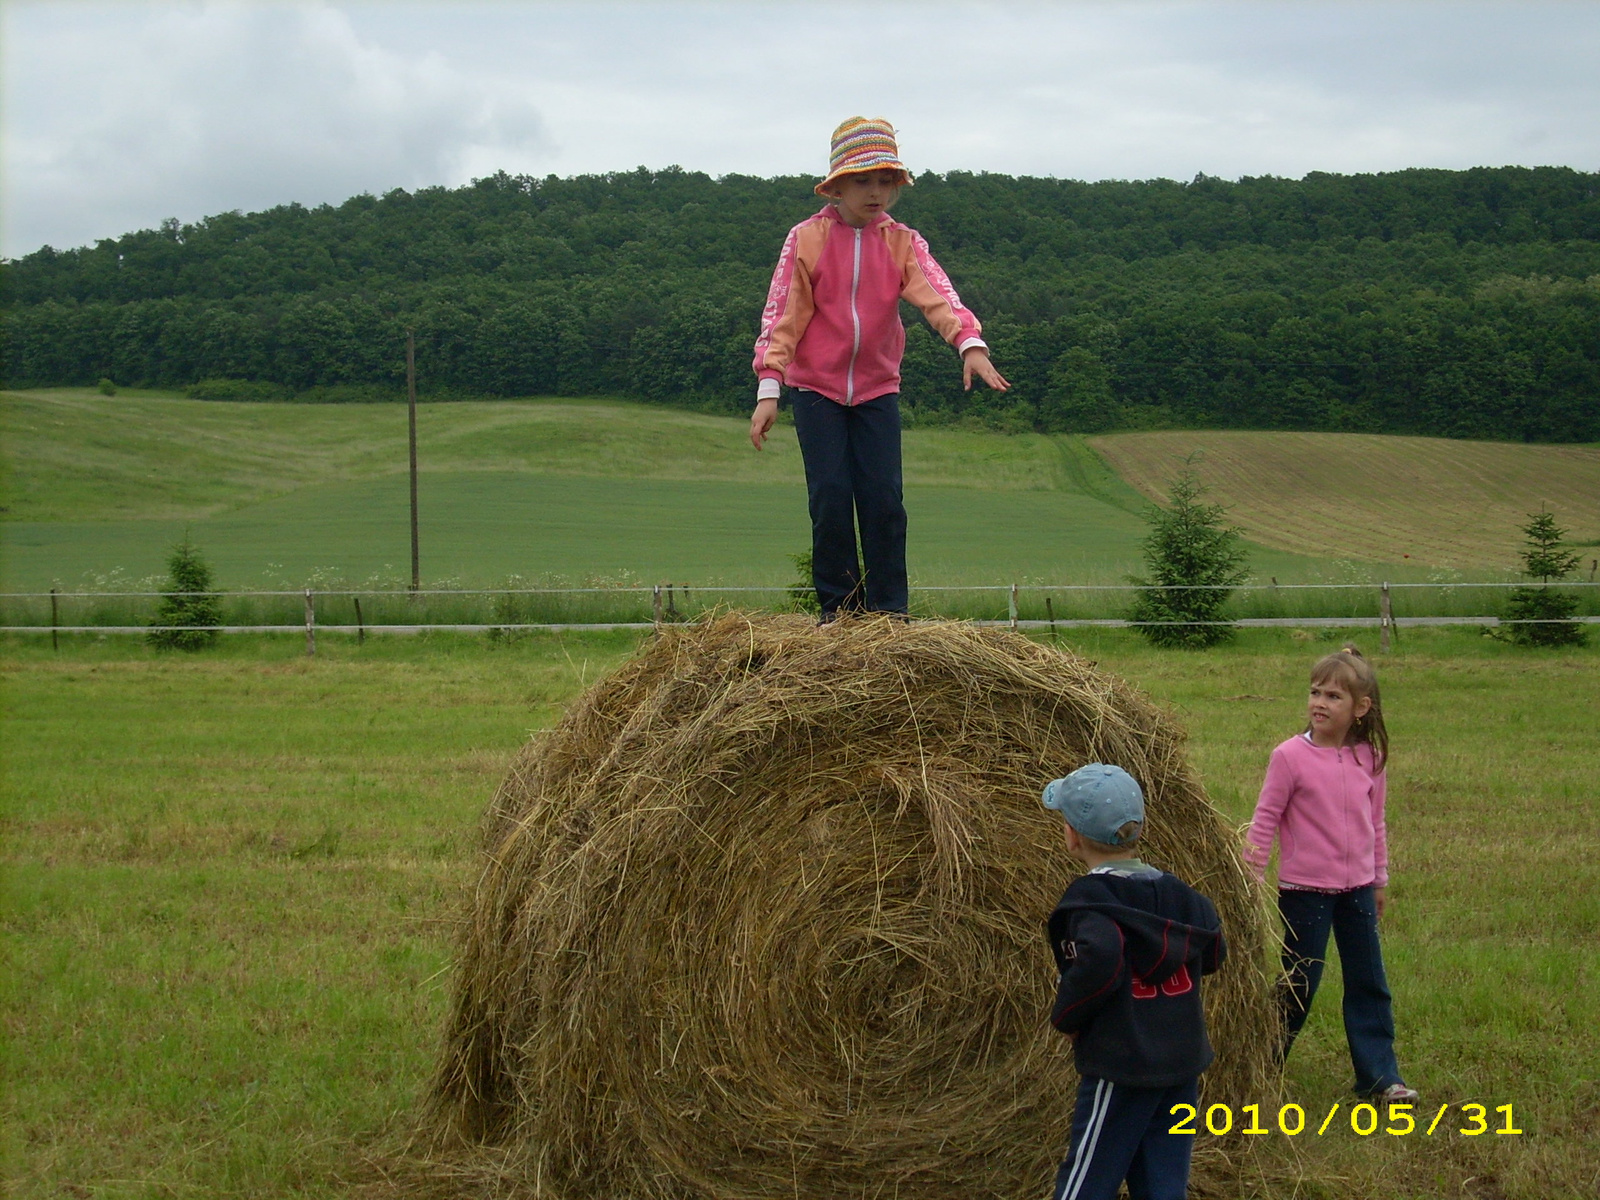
x=189, y=609
x=1542, y=616
x=1195, y=560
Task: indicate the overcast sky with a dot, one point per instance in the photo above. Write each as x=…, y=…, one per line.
x=118, y=115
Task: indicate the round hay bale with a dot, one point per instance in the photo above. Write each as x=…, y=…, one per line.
x=763, y=917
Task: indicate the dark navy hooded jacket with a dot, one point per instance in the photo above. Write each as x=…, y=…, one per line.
x=1131, y=946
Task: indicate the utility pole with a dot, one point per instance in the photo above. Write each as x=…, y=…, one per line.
x=411, y=410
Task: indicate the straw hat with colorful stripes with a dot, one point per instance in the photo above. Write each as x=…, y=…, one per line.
x=863, y=144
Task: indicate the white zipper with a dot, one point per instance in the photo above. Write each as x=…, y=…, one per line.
x=855, y=320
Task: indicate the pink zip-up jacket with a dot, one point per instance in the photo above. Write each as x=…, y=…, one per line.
x=832, y=319
x=1325, y=806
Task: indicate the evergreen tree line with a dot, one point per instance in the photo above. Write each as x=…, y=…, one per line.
x=1451, y=303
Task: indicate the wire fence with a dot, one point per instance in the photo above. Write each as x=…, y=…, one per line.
x=509, y=611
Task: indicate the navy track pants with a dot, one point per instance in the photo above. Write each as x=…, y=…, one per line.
x=1120, y=1132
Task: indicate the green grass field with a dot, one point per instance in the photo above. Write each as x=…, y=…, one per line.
x=229, y=881
x=97, y=490
x=229, y=877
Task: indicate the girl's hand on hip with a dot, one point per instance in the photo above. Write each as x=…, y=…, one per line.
x=762, y=421
x=976, y=362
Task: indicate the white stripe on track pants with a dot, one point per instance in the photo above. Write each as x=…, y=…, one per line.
x=1120, y=1132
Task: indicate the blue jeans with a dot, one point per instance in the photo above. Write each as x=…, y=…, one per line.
x=852, y=457
x=1368, y=1008
x=1120, y=1132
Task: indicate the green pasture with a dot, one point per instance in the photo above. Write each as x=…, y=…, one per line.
x=482, y=527
x=98, y=489
x=230, y=879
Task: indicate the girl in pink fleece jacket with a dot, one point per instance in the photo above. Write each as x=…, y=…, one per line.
x=1323, y=803
x=831, y=332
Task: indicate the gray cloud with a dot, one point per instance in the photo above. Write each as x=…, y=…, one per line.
x=118, y=115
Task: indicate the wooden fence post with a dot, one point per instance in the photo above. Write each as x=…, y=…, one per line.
x=1050, y=611
x=411, y=421
x=361, y=626
x=55, y=619
x=1385, y=619
x=311, y=625
x=1013, y=607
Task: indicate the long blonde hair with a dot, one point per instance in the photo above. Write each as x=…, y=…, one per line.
x=1349, y=668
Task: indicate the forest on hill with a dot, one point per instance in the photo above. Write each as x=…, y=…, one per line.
x=1452, y=303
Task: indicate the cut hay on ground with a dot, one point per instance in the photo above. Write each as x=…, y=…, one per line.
x=763, y=917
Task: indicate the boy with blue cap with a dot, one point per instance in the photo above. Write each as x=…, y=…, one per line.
x=1131, y=943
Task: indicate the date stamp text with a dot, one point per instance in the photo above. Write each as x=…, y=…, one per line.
x=1364, y=1119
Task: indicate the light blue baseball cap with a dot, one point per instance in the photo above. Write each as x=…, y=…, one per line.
x=1097, y=800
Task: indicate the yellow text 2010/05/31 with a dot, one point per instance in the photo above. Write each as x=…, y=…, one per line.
x=1365, y=1119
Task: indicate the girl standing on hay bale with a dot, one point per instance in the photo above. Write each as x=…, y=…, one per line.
x=831, y=331
x=1323, y=801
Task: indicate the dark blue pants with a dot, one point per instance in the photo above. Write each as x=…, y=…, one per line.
x=852, y=457
x=1120, y=1132
x=1368, y=1007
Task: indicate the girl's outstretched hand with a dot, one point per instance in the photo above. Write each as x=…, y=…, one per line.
x=762, y=421
x=976, y=362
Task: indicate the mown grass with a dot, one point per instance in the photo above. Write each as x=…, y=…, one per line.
x=226, y=896
x=230, y=878
x=1447, y=502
